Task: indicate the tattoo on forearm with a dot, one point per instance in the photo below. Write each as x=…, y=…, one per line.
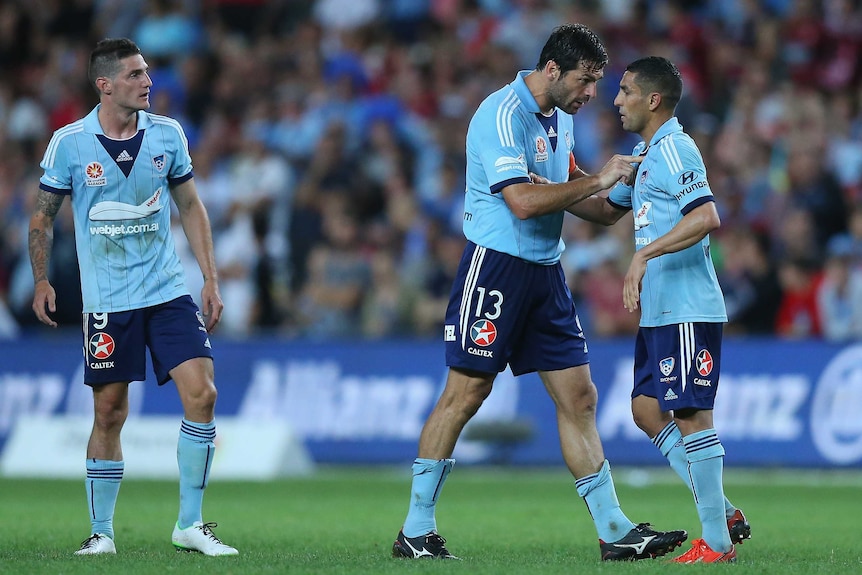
x=40, y=242
x=41, y=238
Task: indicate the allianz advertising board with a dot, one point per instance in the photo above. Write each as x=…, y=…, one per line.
x=781, y=403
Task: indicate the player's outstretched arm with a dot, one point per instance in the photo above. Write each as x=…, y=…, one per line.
x=40, y=242
x=597, y=209
x=528, y=200
x=196, y=225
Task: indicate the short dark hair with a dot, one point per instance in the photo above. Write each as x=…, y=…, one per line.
x=571, y=44
x=105, y=57
x=657, y=74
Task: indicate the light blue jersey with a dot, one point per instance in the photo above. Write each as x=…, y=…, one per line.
x=671, y=181
x=507, y=139
x=121, y=206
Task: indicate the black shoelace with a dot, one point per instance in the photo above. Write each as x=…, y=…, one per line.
x=90, y=541
x=207, y=530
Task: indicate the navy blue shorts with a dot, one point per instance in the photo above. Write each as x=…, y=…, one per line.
x=504, y=310
x=679, y=364
x=115, y=343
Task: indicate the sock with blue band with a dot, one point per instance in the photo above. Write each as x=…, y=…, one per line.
x=103, y=486
x=705, y=467
x=195, y=450
x=669, y=442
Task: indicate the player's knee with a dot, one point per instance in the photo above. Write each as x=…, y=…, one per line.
x=579, y=400
x=464, y=402
x=110, y=415
x=585, y=396
x=199, y=401
x=648, y=416
x=477, y=394
x=643, y=422
x=469, y=408
x=205, y=400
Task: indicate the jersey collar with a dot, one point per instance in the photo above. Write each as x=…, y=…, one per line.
x=92, y=125
x=523, y=92
x=670, y=127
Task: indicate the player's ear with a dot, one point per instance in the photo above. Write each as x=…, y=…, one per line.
x=654, y=101
x=552, y=70
x=104, y=85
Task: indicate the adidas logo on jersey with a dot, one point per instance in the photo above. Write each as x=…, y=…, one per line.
x=670, y=395
x=125, y=157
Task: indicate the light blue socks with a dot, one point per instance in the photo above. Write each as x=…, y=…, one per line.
x=705, y=467
x=428, y=478
x=195, y=450
x=103, y=486
x=669, y=442
x=601, y=499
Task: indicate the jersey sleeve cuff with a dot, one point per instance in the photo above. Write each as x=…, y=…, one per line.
x=695, y=203
x=177, y=181
x=53, y=190
x=617, y=206
x=500, y=185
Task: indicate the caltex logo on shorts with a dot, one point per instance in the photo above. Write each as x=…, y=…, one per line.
x=704, y=362
x=101, y=345
x=483, y=332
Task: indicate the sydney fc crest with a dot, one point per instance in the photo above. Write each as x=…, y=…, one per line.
x=666, y=366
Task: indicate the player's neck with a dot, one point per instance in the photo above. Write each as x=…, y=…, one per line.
x=646, y=135
x=538, y=90
x=652, y=127
x=118, y=123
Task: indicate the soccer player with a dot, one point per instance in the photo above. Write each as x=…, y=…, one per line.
x=121, y=165
x=510, y=304
x=672, y=278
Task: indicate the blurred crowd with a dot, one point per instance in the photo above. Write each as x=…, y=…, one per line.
x=327, y=138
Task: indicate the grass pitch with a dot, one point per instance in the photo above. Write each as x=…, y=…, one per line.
x=499, y=521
